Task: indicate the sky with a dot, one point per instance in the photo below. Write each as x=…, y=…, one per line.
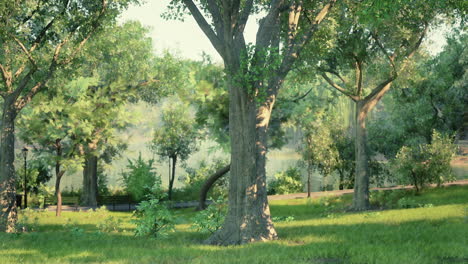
x=183, y=38
x=187, y=40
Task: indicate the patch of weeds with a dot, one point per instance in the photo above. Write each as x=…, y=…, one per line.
x=286, y=219
x=110, y=224
x=28, y=221
x=372, y=214
x=212, y=218
x=407, y=202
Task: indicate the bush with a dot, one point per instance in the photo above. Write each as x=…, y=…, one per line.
x=286, y=182
x=195, y=178
x=426, y=163
x=212, y=218
x=139, y=178
x=153, y=218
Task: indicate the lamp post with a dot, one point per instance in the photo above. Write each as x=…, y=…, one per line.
x=25, y=155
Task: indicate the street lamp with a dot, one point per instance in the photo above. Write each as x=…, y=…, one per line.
x=25, y=155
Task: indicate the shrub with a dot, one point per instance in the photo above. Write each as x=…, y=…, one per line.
x=153, y=218
x=139, y=178
x=195, y=178
x=212, y=218
x=109, y=224
x=425, y=163
x=285, y=182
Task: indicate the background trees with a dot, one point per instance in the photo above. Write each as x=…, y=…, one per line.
x=176, y=139
x=38, y=38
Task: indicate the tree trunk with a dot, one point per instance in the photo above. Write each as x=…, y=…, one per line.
x=361, y=183
x=207, y=186
x=58, y=194
x=309, y=176
x=58, y=176
x=90, y=188
x=171, y=178
x=248, y=218
x=341, y=184
x=8, y=214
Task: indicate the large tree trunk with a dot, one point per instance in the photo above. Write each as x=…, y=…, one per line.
x=361, y=183
x=90, y=187
x=248, y=218
x=207, y=186
x=8, y=214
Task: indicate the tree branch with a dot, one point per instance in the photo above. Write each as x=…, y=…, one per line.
x=297, y=45
x=339, y=88
x=244, y=16
x=205, y=27
x=391, y=58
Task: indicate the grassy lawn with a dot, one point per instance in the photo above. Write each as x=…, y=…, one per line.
x=321, y=232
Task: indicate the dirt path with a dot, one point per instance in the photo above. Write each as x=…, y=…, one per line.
x=341, y=192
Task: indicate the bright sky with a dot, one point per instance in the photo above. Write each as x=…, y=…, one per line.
x=187, y=40
x=184, y=38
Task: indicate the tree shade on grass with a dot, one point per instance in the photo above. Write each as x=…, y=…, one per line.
x=318, y=234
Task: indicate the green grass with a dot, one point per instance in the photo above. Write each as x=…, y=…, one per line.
x=321, y=232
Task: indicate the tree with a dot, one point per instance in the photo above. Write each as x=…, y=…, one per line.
x=120, y=72
x=38, y=39
x=254, y=75
x=431, y=96
x=57, y=131
x=176, y=139
x=425, y=163
x=371, y=48
x=140, y=178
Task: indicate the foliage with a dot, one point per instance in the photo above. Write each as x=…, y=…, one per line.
x=425, y=163
x=364, y=237
x=212, y=218
x=153, y=218
x=432, y=95
x=177, y=135
x=196, y=177
x=140, y=177
x=288, y=181
x=109, y=224
x=29, y=221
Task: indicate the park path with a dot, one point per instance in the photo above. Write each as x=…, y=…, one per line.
x=341, y=192
x=125, y=207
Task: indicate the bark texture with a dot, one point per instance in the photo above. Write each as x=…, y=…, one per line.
x=361, y=185
x=8, y=212
x=208, y=184
x=248, y=217
x=90, y=186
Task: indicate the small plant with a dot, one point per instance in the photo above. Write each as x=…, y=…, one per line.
x=212, y=218
x=288, y=181
x=406, y=202
x=153, y=218
x=140, y=175
x=28, y=221
x=286, y=219
x=109, y=224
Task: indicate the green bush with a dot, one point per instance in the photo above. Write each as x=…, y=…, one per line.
x=139, y=178
x=286, y=182
x=426, y=163
x=212, y=218
x=153, y=218
x=195, y=178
